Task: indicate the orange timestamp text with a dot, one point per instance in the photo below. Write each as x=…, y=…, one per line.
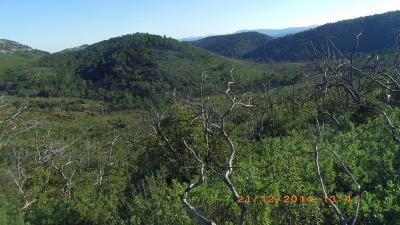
x=296, y=199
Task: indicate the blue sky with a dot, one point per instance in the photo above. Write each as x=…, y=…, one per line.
x=53, y=25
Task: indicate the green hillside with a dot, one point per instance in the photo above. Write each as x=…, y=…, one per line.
x=233, y=45
x=74, y=49
x=92, y=136
x=376, y=33
x=8, y=46
x=84, y=163
x=131, y=69
x=15, y=55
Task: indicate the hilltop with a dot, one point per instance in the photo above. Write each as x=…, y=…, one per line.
x=131, y=69
x=376, y=33
x=276, y=33
x=233, y=45
x=74, y=49
x=14, y=55
x=8, y=46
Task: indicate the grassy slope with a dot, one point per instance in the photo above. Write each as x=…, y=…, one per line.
x=14, y=60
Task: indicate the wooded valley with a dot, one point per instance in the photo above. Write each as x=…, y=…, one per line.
x=234, y=129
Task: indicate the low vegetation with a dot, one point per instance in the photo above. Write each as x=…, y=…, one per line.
x=143, y=129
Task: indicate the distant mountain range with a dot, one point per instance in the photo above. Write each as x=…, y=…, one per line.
x=276, y=33
x=240, y=43
x=140, y=65
x=195, y=38
x=270, y=32
x=375, y=33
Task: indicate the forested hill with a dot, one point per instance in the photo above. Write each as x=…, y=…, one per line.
x=377, y=32
x=233, y=45
x=74, y=49
x=14, y=55
x=13, y=47
x=125, y=70
x=8, y=46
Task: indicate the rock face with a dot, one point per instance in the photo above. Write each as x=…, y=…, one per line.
x=7, y=46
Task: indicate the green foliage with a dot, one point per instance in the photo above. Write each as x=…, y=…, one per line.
x=378, y=33
x=129, y=169
x=170, y=152
x=159, y=203
x=147, y=186
x=233, y=45
x=132, y=71
x=10, y=213
x=10, y=61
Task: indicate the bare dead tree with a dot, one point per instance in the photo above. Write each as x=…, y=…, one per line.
x=266, y=112
x=345, y=88
x=105, y=157
x=350, y=87
x=340, y=215
x=8, y=115
x=10, y=129
x=196, y=215
x=25, y=160
x=213, y=126
x=66, y=166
